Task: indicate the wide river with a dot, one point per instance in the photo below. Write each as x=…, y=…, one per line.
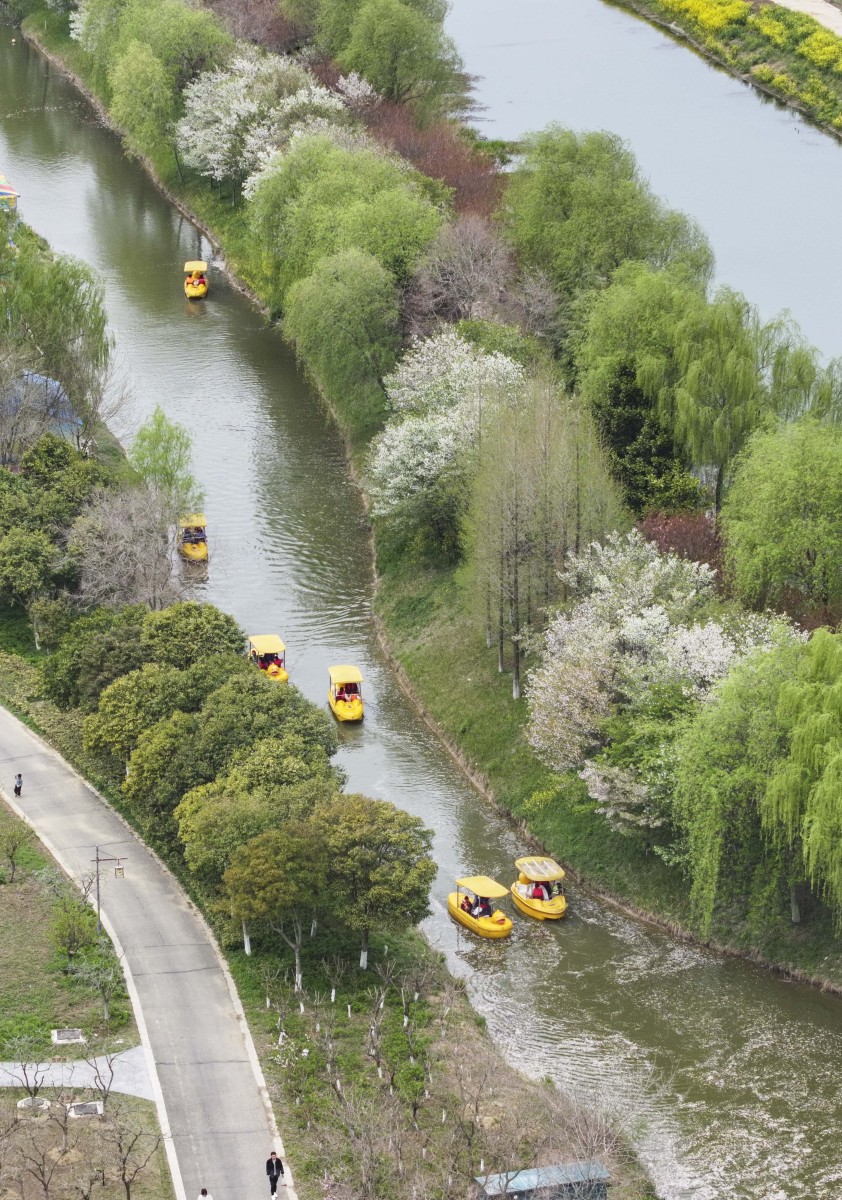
x=726, y=1078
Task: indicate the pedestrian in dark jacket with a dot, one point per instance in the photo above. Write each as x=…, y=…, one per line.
x=275, y=1171
x=18, y=784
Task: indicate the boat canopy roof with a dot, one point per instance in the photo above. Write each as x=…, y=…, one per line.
x=539, y=869
x=195, y=265
x=266, y=643
x=192, y=520
x=344, y=675
x=483, y=885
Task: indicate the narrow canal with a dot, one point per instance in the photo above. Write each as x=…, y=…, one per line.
x=726, y=1078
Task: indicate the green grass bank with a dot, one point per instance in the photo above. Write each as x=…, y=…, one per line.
x=785, y=54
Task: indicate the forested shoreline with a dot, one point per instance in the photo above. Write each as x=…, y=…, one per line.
x=567, y=437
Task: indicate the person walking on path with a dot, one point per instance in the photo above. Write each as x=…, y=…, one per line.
x=275, y=1171
x=18, y=784
x=204, y=1194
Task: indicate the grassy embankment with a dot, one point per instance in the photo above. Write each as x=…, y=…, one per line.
x=37, y=994
x=788, y=55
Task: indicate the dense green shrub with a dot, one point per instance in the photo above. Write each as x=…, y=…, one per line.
x=344, y=321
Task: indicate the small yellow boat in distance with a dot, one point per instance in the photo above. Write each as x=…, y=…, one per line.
x=268, y=652
x=538, y=891
x=345, y=695
x=196, y=283
x=193, y=537
x=470, y=905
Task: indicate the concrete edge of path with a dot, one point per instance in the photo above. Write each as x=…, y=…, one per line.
x=251, y=1051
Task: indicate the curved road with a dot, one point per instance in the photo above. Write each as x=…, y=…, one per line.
x=212, y=1102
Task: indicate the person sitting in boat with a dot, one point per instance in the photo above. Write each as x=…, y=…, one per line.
x=350, y=690
x=482, y=908
x=540, y=891
x=466, y=904
x=342, y=694
x=199, y=534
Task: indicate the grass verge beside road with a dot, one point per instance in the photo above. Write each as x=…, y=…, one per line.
x=36, y=992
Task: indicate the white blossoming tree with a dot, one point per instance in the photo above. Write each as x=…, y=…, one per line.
x=236, y=116
x=442, y=393
x=644, y=642
x=441, y=371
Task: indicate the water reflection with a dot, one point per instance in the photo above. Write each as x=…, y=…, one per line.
x=726, y=1076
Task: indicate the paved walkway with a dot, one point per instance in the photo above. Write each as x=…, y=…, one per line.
x=131, y=1074
x=826, y=14
x=212, y=1104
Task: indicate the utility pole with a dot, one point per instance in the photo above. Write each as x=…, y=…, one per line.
x=118, y=871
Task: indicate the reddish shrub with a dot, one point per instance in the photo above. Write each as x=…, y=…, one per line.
x=690, y=535
x=438, y=150
x=259, y=21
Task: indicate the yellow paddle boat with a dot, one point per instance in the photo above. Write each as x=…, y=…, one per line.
x=193, y=537
x=471, y=906
x=345, y=695
x=196, y=283
x=538, y=891
x=267, y=651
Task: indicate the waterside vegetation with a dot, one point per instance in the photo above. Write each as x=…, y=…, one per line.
x=789, y=55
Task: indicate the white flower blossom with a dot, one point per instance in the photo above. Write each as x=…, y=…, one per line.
x=232, y=114
x=356, y=91
x=442, y=370
x=643, y=620
x=410, y=456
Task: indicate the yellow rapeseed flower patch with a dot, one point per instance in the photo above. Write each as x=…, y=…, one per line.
x=711, y=15
x=823, y=49
x=769, y=26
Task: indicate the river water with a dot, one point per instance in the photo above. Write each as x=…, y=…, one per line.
x=763, y=183
x=726, y=1077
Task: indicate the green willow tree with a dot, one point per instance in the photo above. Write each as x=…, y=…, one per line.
x=802, y=804
x=161, y=454
x=723, y=761
x=783, y=519
x=730, y=372
x=344, y=321
x=627, y=337
x=578, y=208
x=405, y=55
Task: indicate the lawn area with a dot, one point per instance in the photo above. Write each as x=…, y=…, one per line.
x=53, y=1155
x=36, y=993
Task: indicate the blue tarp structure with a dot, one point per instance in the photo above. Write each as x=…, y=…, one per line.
x=44, y=401
x=579, y=1179
x=42, y=392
